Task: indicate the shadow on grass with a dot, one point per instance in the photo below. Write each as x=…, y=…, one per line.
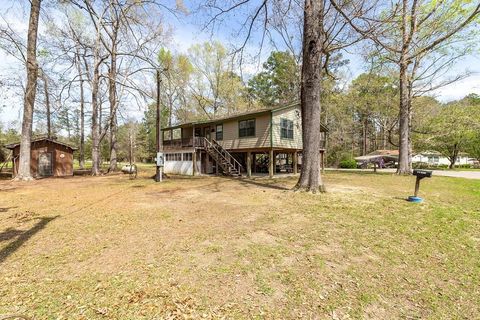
x=5, y=209
x=256, y=183
x=21, y=237
x=400, y=199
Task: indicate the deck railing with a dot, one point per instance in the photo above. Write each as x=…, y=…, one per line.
x=184, y=143
x=199, y=142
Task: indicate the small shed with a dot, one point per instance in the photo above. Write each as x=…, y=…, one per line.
x=49, y=158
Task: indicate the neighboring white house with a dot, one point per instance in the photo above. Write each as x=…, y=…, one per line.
x=435, y=158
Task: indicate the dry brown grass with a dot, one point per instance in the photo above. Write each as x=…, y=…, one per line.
x=114, y=248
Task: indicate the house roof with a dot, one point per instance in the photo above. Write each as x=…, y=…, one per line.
x=12, y=146
x=375, y=157
x=238, y=116
x=378, y=154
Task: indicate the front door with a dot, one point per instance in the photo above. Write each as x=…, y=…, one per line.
x=45, y=164
x=207, y=133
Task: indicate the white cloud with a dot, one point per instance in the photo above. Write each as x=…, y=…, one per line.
x=459, y=89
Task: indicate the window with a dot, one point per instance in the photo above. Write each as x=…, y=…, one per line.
x=173, y=157
x=177, y=133
x=286, y=129
x=246, y=128
x=433, y=159
x=187, y=157
x=167, y=135
x=219, y=132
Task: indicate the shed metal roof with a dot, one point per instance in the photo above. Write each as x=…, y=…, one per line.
x=12, y=146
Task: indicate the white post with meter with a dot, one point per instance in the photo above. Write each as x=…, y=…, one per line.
x=160, y=163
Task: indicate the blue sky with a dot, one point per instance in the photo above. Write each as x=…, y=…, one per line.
x=187, y=31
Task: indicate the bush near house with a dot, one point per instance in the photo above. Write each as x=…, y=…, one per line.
x=348, y=164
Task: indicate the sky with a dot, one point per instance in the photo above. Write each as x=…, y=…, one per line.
x=186, y=32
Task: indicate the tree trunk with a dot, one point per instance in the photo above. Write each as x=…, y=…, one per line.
x=310, y=178
x=24, y=172
x=82, y=126
x=453, y=157
x=364, y=135
x=67, y=123
x=95, y=122
x=384, y=135
x=47, y=103
x=113, y=110
x=404, y=162
x=81, y=151
x=404, y=165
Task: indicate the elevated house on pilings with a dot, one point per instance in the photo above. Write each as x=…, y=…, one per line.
x=267, y=141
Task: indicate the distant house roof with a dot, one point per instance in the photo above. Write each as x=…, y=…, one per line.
x=12, y=146
x=238, y=116
x=429, y=153
x=378, y=154
x=436, y=153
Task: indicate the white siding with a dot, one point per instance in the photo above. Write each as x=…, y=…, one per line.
x=179, y=167
x=184, y=167
x=442, y=160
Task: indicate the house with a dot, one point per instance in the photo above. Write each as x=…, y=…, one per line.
x=435, y=158
x=261, y=141
x=49, y=158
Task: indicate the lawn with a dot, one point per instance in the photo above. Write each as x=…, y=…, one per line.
x=213, y=247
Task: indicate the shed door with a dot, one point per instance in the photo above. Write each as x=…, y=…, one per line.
x=45, y=164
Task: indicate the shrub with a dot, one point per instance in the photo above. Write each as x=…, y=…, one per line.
x=420, y=165
x=348, y=164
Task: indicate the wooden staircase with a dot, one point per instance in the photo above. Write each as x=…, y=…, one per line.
x=229, y=165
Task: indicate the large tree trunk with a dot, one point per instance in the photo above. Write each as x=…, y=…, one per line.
x=310, y=178
x=404, y=165
x=31, y=89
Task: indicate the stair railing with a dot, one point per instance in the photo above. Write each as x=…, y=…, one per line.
x=224, y=154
